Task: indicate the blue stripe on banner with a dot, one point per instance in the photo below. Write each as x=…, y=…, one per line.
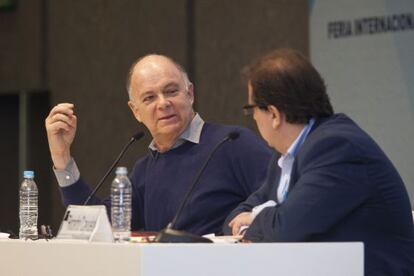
x=311, y=4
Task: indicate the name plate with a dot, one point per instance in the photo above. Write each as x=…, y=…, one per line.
x=88, y=223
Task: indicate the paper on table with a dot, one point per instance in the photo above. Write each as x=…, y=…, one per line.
x=223, y=239
x=4, y=235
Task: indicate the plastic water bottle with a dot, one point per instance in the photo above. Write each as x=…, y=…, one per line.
x=121, y=191
x=28, y=207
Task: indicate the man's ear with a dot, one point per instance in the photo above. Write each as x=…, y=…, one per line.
x=190, y=91
x=276, y=116
x=135, y=111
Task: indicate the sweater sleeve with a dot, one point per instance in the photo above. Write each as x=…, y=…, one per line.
x=250, y=156
x=259, y=196
x=79, y=191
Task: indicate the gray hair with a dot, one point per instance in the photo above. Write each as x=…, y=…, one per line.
x=176, y=64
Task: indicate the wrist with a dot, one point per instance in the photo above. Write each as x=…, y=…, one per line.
x=61, y=161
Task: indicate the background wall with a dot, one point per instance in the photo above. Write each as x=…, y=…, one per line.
x=80, y=52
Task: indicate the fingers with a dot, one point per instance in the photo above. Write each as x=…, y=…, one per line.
x=63, y=108
x=235, y=225
x=70, y=121
x=235, y=229
x=61, y=125
x=61, y=117
x=60, y=122
x=240, y=221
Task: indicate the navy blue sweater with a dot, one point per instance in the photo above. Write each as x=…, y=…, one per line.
x=160, y=180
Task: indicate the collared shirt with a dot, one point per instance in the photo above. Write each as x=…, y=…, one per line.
x=285, y=162
x=71, y=174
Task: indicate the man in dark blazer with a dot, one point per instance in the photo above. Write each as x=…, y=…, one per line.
x=329, y=180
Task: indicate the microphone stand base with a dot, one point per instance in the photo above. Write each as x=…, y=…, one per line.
x=174, y=236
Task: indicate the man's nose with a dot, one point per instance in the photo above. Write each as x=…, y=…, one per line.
x=163, y=102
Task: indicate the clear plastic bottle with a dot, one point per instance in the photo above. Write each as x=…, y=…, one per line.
x=121, y=192
x=28, y=208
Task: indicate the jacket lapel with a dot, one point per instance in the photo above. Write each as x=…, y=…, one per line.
x=294, y=175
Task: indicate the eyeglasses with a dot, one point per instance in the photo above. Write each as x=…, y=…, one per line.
x=248, y=109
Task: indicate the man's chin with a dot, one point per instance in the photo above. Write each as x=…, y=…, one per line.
x=170, y=130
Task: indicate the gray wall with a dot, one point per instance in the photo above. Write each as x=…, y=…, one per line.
x=229, y=34
x=22, y=47
x=81, y=52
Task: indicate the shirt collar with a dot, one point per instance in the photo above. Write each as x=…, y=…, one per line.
x=192, y=134
x=291, y=152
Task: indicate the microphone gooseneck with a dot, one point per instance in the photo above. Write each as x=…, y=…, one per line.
x=171, y=235
x=231, y=136
x=134, y=138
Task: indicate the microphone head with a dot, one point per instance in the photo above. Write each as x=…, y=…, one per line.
x=233, y=135
x=138, y=135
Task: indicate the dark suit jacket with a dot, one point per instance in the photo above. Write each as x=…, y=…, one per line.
x=342, y=188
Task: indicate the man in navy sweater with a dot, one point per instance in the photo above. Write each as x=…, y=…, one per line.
x=332, y=182
x=161, y=97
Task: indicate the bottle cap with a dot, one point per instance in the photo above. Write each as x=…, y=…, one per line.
x=28, y=174
x=121, y=170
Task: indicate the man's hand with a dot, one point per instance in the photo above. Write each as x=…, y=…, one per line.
x=61, y=129
x=242, y=219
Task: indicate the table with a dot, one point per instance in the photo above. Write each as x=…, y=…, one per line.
x=78, y=258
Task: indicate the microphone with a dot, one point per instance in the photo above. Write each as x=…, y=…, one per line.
x=134, y=138
x=169, y=234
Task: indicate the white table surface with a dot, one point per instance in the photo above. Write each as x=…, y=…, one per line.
x=74, y=258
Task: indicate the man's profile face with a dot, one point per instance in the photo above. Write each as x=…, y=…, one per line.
x=160, y=98
x=262, y=118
